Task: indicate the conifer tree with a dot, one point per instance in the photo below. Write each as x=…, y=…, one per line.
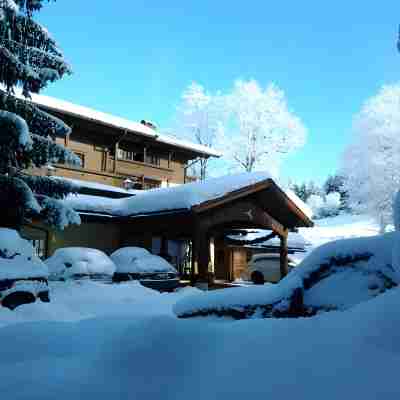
x=29, y=60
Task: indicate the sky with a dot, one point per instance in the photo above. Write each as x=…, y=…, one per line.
x=135, y=58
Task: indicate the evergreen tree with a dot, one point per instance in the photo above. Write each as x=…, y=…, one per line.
x=29, y=60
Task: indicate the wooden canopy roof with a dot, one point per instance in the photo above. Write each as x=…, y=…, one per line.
x=261, y=205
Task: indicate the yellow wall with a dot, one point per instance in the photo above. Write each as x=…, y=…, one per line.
x=105, y=237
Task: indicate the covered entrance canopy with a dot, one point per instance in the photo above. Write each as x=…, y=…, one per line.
x=199, y=211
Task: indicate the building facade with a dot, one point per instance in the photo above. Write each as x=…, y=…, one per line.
x=119, y=152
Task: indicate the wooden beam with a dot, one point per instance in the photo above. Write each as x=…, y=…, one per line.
x=234, y=195
x=283, y=251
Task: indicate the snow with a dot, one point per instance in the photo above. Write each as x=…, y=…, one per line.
x=120, y=123
x=148, y=263
x=300, y=203
x=18, y=260
x=343, y=226
x=233, y=298
x=69, y=261
x=340, y=287
x=138, y=259
x=295, y=239
x=99, y=186
x=181, y=197
x=105, y=341
x=21, y=130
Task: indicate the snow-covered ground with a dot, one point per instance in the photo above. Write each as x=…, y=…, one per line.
x=344, y=226
x=123, y=341
x=126, y=344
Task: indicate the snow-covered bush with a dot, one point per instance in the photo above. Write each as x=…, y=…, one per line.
x=69, y=262
x=328, y=206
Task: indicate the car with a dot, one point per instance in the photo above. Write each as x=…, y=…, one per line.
x=23, y=275
x=80, y=263
x=265, y=267
x=152, y=271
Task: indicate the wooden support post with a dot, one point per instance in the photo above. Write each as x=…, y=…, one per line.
x=145, y=154
x=284, y=254
x=164, y=246
x=116, y=147
x=169, y=159
x=200, y=257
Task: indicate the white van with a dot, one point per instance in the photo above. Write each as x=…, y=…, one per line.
x=265, y=267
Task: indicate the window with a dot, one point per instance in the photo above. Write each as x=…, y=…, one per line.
x=130, y=155
x=39, y=246
x=81, y=156
x=152, y=158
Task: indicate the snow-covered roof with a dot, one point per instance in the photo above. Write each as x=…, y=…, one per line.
x=171, y=199
x=100, y=186
x=120, y=123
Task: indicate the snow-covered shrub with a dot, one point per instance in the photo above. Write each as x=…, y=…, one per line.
x=328, y=206
x=69, y=262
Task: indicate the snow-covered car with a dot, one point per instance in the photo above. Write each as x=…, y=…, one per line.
x=136, y=263
x=265, y=267
x=80, y=262
x=23, y=276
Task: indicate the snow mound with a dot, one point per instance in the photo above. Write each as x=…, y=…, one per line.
x=335, y=276
x=137, y=260
x=332, y=356
x=18, y=259
x=69, y=261
x=127, y=255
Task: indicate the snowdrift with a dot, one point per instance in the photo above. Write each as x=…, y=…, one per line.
x=339, y=355
x=79, y=261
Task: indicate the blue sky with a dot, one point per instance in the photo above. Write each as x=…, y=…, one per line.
x=134, y=59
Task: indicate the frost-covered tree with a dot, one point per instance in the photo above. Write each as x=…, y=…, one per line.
x=29, y=60
x=335, y=184
x=324, y=206
x=262, y=130
x=200, y=118
x=371, y=164
x=305, y=190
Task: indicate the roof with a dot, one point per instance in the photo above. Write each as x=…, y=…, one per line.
x=195, y=196
x=295, y=239
x=100, y=189
x=120, y=123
